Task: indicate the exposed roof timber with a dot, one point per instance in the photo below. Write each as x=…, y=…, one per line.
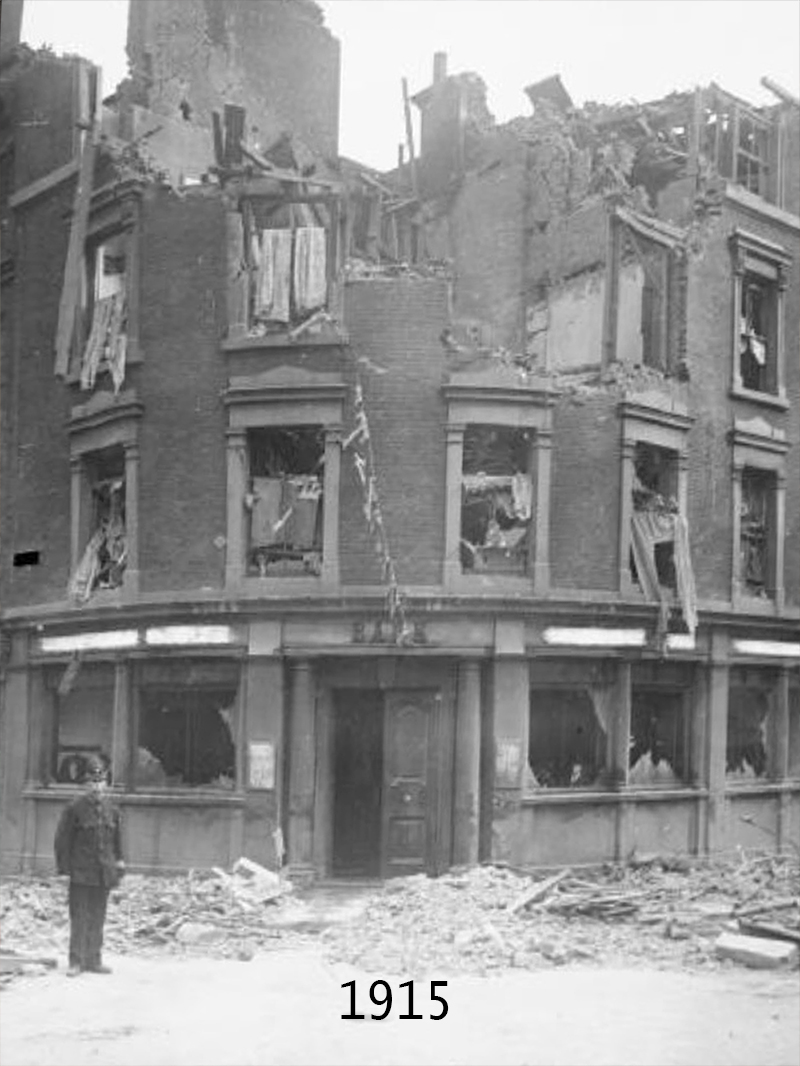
x=780, y=92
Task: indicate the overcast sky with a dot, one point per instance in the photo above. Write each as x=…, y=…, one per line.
x=604, y=50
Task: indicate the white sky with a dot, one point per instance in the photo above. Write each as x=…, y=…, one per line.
x=604, y=50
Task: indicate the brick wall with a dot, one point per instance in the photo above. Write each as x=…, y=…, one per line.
x=584, y=504
x=710, y=295
x=273, y=59
x=44, y=134
x=396, y=326
x=183, y=476
x=35, y=452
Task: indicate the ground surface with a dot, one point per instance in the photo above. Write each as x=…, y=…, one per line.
x=285, y=1007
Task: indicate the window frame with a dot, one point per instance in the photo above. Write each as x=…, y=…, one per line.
x=757, y=445
x=115, y=212
x=282, y=398
x=497, y=397
x=106, y=421
x=651, y=420
x=754, y=257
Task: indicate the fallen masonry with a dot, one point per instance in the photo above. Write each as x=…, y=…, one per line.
x=657, y=911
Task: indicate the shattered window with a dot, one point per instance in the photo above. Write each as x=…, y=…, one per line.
x=84, y=716
x=755, y=532
x=497, y=499
x=567, y=739
x=658, y=748
x=749, y=713
x=102, y=564
x=286, y=250
x=106, y=311
x=734, y=141
x=751, y=154
x=186, y=737
x=757, y=333
x=285, y=500
x=655, y=502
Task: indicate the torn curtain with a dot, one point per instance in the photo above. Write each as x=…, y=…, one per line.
x=273, y=274
x=107, y=342
x=649, y=528
x=310, y=280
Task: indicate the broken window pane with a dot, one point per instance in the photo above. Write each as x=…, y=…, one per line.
x=658, y=752
x=84, y=717
x=749, y=707
x=497, y=499
x=756, y=344
x=186, y=737
x=285, y=500
x=755, y=531
x=567, y=745
x=104, y=559
x=105, y=316
x=655, y=492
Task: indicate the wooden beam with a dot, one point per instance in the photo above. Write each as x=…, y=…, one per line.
x=412, y=161
x=70, y=290
x=44, y=184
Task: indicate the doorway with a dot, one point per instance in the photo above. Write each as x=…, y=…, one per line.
x=384, y=786
x=358, y=781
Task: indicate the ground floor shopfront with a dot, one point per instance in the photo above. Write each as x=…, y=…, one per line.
x=314, y=742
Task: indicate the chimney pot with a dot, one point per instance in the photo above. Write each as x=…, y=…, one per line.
x=439, y=67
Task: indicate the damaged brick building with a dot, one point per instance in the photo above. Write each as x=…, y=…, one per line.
x=380, y=522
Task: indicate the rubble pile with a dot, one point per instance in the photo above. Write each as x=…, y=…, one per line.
x=656, y=911
x=203, y=912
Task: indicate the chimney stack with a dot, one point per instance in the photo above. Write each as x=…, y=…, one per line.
x=439, y=67
x=10, y=24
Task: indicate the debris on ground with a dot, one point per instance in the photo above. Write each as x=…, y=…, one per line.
x=656, y=910
x=755, y=952
x=663, y=911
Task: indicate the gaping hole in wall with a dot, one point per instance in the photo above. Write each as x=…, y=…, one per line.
x=104, y=559
x=655, y=503
x=756, y=524
x=497, y=499
x=83, y=697
x=658, y=749
x=567, y=742
x=750, y=709
x=757, y=333
x=285, y=500
x=286, y=251
x=643, y=300
x=186, y=737
x=105, y=302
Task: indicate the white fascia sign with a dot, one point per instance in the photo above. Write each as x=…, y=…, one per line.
x=594, y=637
x=110, y=640
x=680, y=641
x=162, y=636
x=774, y=648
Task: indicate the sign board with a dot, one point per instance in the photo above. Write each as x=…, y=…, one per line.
x=261, y=765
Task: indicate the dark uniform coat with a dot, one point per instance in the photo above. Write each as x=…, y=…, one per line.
x=88, y=841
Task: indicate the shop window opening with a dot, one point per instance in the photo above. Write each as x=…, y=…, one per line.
x=186, y=738
x=104, y=559
x=285, y=500
x=755, y=533
x=497, y=499
x=658, y=747
x=84, y=703
x=749, y=718
x=567, y=742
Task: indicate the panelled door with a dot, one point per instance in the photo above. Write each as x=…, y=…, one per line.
x=407, y=820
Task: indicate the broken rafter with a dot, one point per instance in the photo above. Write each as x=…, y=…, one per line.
x=779, y=91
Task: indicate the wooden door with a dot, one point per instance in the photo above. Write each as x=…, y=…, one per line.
x=408, y=717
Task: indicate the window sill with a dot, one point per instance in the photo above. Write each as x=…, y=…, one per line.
x=755, y=605
x=557, y=797
x=255, y=587
x=142, y=798
x=248, y=343
x=766, y=399
x=764, y=788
